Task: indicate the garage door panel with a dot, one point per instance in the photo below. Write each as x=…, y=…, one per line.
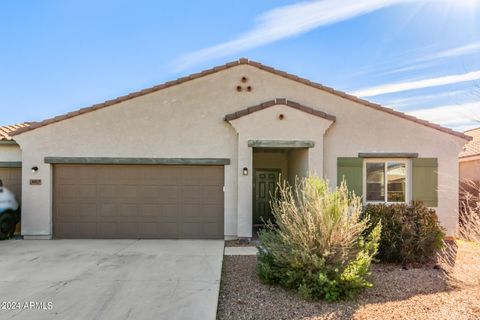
x=169, y=230
x=195, y=230
x=108, y=229
x=107, y=191
x=16, y=189
x=87, y=192
x=200, y=230
x=65, y=228
x=172, y=176
x=212, y=194
x=68, y=193
x=212, y=211
x=192, y=177
x=107, y=209
x=66, y=174
x=211, y=229
x=15, y=174
x=192, y=194
x=191, y=211
x=148, y=193
x=129, y=210
x=128, y=193
x=149, y=210
x=128, y=229
x=169, y=210
x=168, y=194
x=87, y=209
x=87, y=229
x=66, y=210
x=148, y=229
x=130, y=201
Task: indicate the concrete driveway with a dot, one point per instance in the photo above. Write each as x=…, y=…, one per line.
x=110, y=279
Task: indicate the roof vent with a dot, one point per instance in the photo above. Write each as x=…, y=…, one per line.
x=241, y=87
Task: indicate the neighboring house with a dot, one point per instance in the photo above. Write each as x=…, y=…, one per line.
x=470, y=158
x=196, y=157
x=11, y=160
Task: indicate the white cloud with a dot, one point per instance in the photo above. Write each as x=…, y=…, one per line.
x=456, y=116
x=287, y=21
x=415, y=100
x=417, y=84
x=435, y=58
x=454, y=52
x=418, y=59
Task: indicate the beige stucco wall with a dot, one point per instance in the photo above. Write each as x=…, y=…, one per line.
x=187, y=121
x=470, y=170
x=298, y=165
x=10, y=152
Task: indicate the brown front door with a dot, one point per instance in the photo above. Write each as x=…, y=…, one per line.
x=138, y=201
x=264, y=187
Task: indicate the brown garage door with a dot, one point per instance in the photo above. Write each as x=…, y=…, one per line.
x=12, y=179
x=138, y=201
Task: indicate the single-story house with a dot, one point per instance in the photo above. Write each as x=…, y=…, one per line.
x=11, y=160
x=470, y=165
x=196, y=157
x=470, y=157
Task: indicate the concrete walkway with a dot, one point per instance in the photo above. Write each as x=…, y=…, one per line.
x=110, y=279
x=240, y=251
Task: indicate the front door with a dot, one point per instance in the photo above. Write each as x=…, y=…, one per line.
x=264, y=186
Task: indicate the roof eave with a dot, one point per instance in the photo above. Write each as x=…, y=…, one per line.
x=241, y=61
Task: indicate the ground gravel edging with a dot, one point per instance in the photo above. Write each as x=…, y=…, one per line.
x=417, y=293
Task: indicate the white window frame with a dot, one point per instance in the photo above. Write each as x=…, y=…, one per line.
x=408, y=177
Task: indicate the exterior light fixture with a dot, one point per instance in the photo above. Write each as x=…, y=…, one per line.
x=34, y=169
x=245, y=171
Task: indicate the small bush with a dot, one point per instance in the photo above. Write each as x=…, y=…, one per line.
x=317, y=247
x=411, y=234
x=469, y=211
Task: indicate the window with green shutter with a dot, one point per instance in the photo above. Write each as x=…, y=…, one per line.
x=386, y=180
x=425, y=181
x=351, y=169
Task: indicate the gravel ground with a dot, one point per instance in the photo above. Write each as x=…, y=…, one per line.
x=241, y=243
x=417, y=293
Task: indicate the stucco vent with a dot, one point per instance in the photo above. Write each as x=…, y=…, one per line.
x=242, y=87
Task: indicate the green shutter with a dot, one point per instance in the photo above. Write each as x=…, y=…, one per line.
x=425, y=181
x=352, y=170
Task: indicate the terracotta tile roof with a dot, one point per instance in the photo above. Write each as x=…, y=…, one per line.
x=277, y=101
x=6, y=131
x=472, y=148
x=232, y=64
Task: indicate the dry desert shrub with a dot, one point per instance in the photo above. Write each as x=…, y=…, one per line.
x=319, y=246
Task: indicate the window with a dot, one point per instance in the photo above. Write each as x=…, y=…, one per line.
x=386, y=181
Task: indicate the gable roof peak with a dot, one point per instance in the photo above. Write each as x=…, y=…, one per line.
x=241, y=61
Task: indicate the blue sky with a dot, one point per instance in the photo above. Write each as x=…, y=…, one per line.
x=421, y=57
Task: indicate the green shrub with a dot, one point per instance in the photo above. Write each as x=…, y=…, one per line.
x=410, y=233
x=318, y=247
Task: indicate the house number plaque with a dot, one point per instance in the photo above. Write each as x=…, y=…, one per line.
x=35, y=182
